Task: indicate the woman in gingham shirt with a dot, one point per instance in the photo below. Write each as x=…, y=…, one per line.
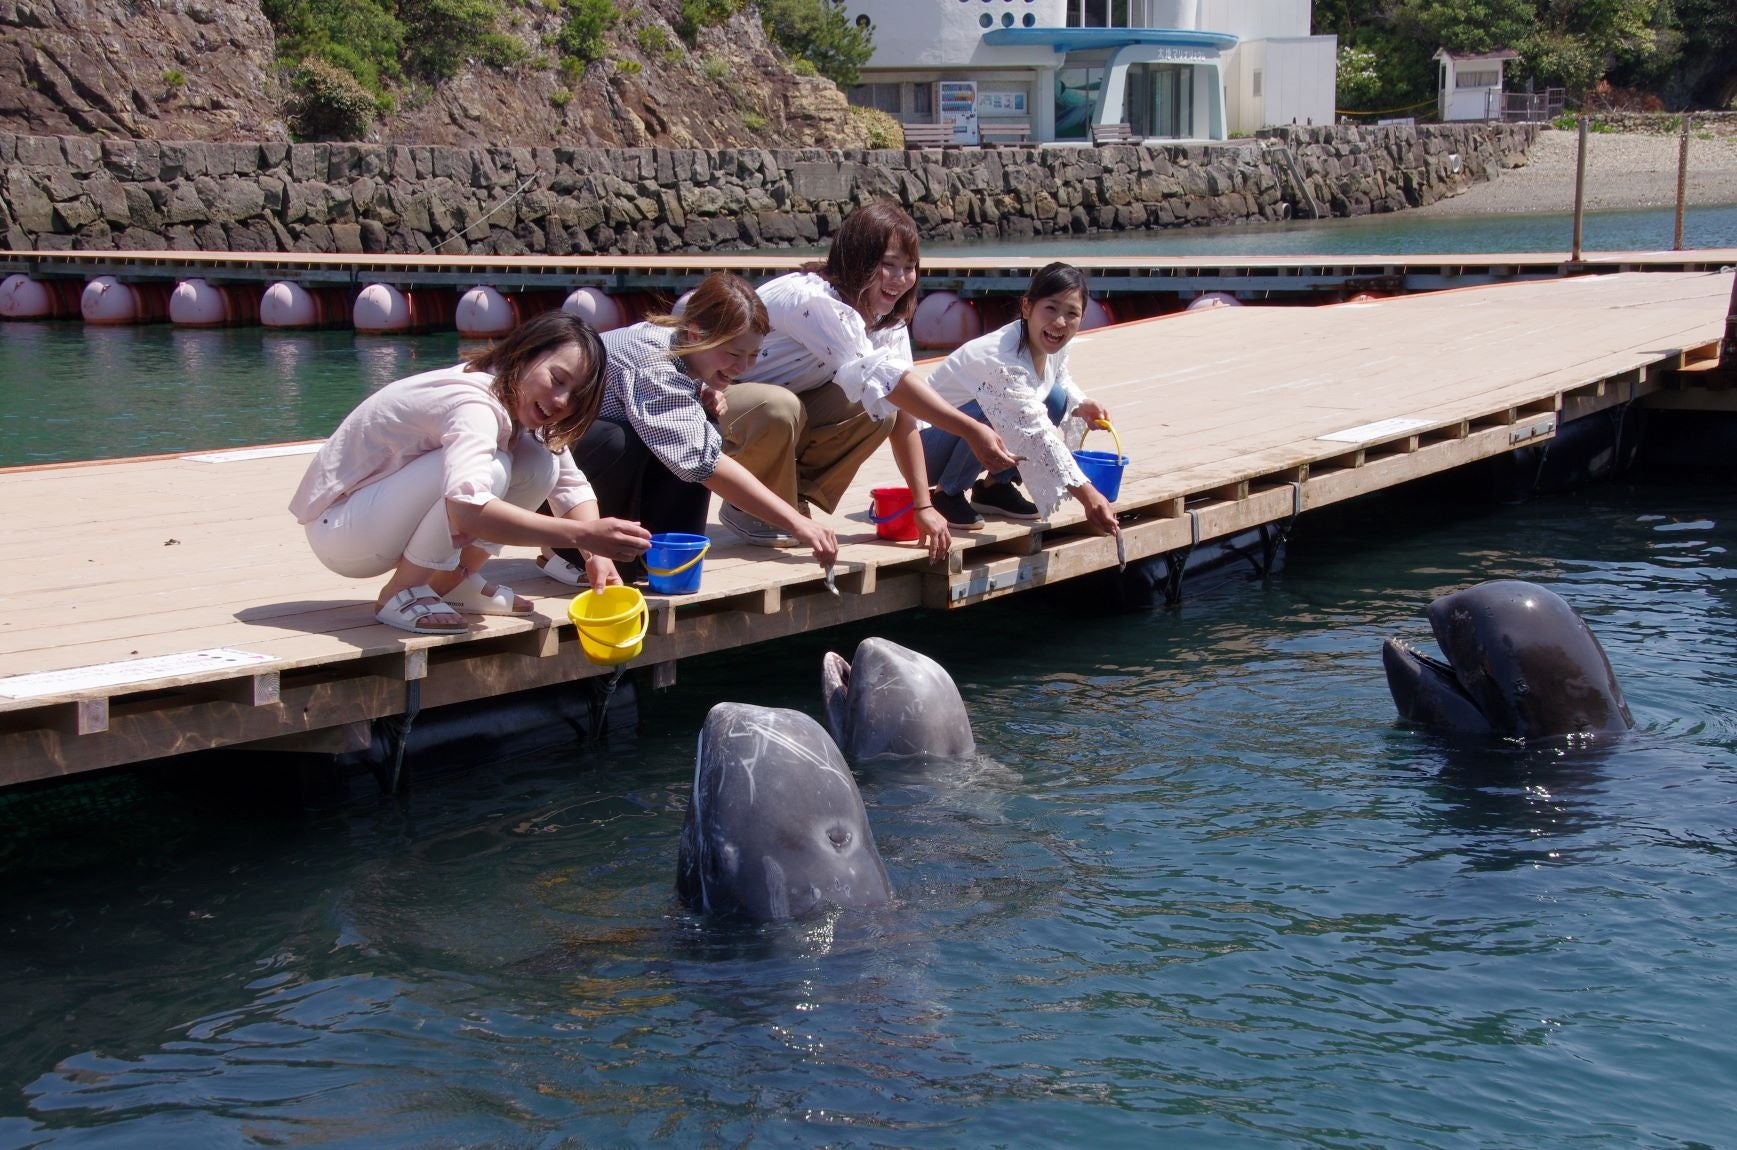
x=655, y=453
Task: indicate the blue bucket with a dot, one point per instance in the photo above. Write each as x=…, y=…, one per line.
x=672, y=565
x=1103, y=469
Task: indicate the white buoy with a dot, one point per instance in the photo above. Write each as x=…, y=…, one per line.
x=195, y=303
x=596, y=307
x=1211, y=300
x=107, y=300
x=24, y=298
x=380, y=307
x=484, y=313
x=287, y=304
x=1097, y=314
x=943, y=321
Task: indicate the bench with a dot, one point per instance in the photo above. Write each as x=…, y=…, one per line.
x=1111, y=134
x=928, y=135
x=1004, y=131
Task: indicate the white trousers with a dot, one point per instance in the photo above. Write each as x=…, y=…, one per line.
x=403, y=516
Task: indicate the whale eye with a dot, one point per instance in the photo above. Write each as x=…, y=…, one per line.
x=840, y=836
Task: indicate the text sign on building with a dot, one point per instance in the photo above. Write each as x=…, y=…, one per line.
x=1001, y=103
x=1179, y=55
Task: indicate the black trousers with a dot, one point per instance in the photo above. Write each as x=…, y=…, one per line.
x=632, y=483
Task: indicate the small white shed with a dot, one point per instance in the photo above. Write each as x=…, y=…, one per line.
x=1471, y=83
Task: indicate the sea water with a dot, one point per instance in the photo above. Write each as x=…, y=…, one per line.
x=1198, y=887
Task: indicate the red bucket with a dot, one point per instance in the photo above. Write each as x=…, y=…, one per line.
x=893, y=513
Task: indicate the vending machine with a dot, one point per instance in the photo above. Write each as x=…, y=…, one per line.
x=956, y=106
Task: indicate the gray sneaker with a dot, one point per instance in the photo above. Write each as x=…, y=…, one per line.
x=751, y=529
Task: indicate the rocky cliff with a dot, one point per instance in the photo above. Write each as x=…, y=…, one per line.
x=206, y=70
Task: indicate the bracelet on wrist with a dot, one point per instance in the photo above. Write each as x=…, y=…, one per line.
x=923, y=507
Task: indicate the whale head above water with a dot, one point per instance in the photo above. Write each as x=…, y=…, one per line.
x=1520, y=664
x=890, y=701
x=776, y=827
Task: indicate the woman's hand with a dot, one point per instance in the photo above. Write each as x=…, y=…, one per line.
x=819, y=539
x=990, y=450
x=602, y=573
x=1098, y=511
x=714, y=401
x=610, y=538
x=932, y=529
x=1092, y=412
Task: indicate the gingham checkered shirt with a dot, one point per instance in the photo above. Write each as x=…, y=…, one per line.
x=649, y=391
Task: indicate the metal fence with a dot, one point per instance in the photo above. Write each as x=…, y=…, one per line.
x=1524, y=107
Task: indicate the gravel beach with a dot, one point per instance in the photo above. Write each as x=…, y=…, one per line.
x=1623, y=170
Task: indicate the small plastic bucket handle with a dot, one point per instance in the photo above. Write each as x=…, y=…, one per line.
x=1106, y=425
x=644, y=626
x=663, y=574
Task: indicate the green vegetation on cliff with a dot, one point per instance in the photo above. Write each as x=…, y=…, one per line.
x=348, y=59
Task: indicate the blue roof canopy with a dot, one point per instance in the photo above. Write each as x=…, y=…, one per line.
x=1088, y=39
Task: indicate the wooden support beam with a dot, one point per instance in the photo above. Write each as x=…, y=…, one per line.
x=410, y=663
x=260, y=690
x=338, y=740
x=78, y=718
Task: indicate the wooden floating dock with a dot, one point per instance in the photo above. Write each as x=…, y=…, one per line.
x=165, y=605
x=1111, y=275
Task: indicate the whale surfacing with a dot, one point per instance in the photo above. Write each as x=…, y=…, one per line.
x=890, y=701
x=776, y=827
x=1521, y=664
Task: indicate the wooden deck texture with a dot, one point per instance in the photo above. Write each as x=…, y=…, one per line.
x=1233, y=418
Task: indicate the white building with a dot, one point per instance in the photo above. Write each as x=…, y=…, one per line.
x=1471, y=84
x=1169, y=69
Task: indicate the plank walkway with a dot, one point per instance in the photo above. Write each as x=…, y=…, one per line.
x=1151, y=271
x=1233, y=418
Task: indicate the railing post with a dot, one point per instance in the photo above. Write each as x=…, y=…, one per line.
x=1579, y=190
x=1682, y=183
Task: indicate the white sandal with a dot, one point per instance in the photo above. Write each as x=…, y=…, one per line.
x=561, y=569
x=481, y=598
x=411, y=608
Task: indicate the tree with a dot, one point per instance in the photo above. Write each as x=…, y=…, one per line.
x=819, y=31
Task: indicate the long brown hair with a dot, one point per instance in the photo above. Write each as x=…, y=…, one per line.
x=854, y=259
x=509, y=359
x=723, y=307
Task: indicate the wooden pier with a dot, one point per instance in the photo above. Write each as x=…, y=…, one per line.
x=164, y=605
x=1111, y=275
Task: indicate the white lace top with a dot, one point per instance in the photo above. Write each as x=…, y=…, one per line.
x=996, y=370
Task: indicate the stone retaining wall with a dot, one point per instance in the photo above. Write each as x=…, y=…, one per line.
x=81, y=192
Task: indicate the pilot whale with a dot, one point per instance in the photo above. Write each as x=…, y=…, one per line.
x=775, y=827
x=891, y=701
x=1520, y=664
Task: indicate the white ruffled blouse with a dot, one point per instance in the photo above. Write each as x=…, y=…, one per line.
x=996, y=370
x=817, y=337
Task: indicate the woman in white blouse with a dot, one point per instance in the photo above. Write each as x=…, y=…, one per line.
x=1016, y=379
x=430, y=475
x=834, y=379
x=655, y=453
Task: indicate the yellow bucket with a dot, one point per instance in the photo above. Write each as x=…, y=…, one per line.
x=611, y=622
